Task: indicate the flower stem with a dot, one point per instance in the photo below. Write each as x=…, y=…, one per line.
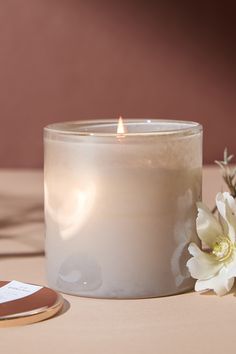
x=228, y=174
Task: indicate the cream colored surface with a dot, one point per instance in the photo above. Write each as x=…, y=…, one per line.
x=188, y=323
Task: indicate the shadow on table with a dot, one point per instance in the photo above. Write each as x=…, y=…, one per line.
x=21, y=226
x=15, y=211
x=65, y=308
x=212, y=293
x=22, y=254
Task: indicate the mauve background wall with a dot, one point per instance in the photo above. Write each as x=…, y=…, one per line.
x=69, y=60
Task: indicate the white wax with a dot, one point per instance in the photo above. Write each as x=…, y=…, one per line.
x=121, y=213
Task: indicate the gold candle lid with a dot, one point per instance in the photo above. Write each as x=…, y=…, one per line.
x=40, y=305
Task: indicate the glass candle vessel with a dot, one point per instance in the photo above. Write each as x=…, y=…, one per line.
x=120, y=208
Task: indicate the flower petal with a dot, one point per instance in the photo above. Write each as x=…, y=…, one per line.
x=226, y=206
x=202, y=265
x=220, y=283
x=208, y=227
x=231, y=267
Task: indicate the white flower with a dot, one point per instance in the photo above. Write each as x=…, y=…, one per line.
x=215, y=266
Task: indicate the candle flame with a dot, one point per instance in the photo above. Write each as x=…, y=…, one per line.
x=120, y=127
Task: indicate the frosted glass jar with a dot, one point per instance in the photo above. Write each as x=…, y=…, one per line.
x=120, y=209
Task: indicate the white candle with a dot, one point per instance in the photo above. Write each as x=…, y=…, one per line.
x=120, y=207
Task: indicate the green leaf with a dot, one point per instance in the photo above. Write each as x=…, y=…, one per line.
x=229, y=158
x=225, y=154
x=220, y=164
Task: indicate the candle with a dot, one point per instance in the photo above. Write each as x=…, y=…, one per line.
x=120, y=206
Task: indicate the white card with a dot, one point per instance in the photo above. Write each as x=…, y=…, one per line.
x=17, y=290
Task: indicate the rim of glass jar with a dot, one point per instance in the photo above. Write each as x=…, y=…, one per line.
x=57, y=128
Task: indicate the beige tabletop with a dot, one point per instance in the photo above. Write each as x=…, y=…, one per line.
x=188, y=323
